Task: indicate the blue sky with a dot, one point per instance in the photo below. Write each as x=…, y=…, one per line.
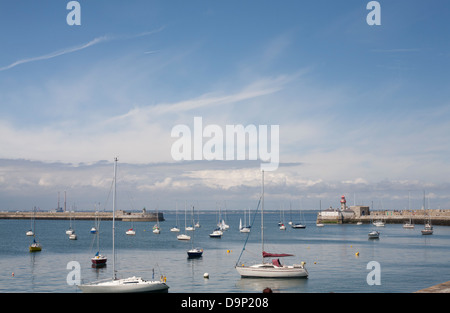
x=363, y=110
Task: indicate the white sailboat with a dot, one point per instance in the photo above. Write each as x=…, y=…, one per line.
x=156, y=228
x=409, y=225
x=184, y=236
x=379, y=223
x=125, y=285
x=217, y=233
x=175, y=228
x=274, y=269
x=244, y=229
x=428, y=229
x=30, y=232
x=71, y=231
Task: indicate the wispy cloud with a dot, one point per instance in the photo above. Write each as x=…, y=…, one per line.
x=56, y=53
x=77, y=48
x=398, y=50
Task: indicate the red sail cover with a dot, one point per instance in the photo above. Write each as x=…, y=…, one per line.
x=274, y=255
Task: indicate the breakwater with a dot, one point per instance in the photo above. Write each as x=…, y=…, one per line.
x=120, y=216
x=420, y=217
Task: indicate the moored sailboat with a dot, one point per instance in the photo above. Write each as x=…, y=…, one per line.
x=184, y=236
x=273, y=269
x=125, y=285
x=35, y=245
x=194, y=252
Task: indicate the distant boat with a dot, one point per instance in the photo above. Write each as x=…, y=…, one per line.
x=98, y=260
x=93, y=230
x=244, y=229
x=175, y=228
x=409, y=225
x=282, y=227
x=35, y=246
x=299, y=225
x=374, y=234
x=130, y=232
x=184, y=236
x=115, y=285
x=30, y=232
x=217, y=233
x=70, y=231
x=197, y=225
x=156, y=228
x=194, y=252
x=274, y=269
x=379, y=223
x=428, y=230
x=73, y=236
x=320, y=225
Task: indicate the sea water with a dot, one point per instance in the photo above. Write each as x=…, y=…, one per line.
x=336, y=256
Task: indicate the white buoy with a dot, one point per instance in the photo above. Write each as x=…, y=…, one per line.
x=206, y=275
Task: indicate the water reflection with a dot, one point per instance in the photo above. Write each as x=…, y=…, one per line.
x=275, y=284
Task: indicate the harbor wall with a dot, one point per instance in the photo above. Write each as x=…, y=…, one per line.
x=436, y=216
x=120, y=216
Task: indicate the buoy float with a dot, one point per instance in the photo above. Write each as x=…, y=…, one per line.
x=357, y=253
x=12, y=274
x=206, y=275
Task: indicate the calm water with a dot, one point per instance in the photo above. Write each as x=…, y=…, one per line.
x=408, y=260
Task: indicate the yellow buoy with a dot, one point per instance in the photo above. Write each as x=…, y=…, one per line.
x=357, y=253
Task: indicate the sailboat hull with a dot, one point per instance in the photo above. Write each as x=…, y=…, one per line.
x=127, y=285
x=99, y=261
x=35, y=248
x=267, y=270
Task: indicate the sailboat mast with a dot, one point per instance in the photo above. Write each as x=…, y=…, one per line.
x=114, y=218
x=262, y=216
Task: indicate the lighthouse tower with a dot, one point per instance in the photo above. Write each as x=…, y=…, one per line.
x=343, y=203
